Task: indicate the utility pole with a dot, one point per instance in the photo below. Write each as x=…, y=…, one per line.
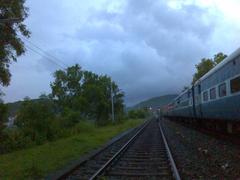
x=113, y=120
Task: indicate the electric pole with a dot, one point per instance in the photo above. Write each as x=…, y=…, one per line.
x=113, y=120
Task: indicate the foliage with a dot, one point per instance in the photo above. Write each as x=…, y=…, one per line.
x=14, y=139
x=219, y=57
x=67, y=86
x=206, y=65
x=138, y=113
x=55, y=155
x=85, y=95
x=76, y=95
x=36, y=120
x=3, y=117
x=3, y=112
x=11, y=45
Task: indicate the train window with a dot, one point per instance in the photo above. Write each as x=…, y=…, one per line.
x=213, y=93
x=205, y=96
x=222, y=90
x=235, y=85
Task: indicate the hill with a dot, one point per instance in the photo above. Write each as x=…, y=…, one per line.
x=155, y=102
x=15, y=106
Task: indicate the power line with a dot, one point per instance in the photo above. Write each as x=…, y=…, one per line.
x=44, y=52
x=52, y=61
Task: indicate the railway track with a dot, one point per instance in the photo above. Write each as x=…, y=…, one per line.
x=143, y=154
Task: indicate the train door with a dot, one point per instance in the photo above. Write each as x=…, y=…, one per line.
x=193, y=103
x=198, y=100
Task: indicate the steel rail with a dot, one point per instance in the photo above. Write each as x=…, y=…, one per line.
x=172, y=162
x=117, y=155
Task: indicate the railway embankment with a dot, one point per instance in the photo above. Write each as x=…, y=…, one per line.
x=39, y=161
x=200, y=156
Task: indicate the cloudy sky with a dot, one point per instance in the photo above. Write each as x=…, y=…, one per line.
x=148, y=47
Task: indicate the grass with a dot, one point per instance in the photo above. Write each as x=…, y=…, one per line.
x=37, y=162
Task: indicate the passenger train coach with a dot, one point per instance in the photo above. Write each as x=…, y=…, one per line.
x=214, y=100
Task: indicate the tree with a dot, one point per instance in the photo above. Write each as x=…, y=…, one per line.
x=35, y=118
x=137, y=113
x=206, y=65
x=11, y=46
x=219, y=57
x=202, y=68
x=66, y=85
x=84, y=94
x=97, y=90
x=3, y=115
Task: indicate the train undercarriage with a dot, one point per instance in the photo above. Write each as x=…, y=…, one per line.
x=215, y=125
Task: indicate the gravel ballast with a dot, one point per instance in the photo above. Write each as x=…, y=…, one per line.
x=200, y=156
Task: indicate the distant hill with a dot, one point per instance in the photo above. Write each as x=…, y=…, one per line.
x=155, y=102
x=15, y=106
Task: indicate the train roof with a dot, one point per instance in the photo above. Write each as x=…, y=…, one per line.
x=231, y=57
x=183, y=92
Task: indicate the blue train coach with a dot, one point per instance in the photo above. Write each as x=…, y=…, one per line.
x=215, y=98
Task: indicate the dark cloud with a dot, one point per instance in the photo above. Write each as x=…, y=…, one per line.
x=148, y=47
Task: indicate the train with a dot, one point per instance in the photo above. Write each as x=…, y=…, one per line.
x=213, y=100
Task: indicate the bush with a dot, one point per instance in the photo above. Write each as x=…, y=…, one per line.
x=135, y=114
x=69, y=118
x=14, y=139
x=36, y=120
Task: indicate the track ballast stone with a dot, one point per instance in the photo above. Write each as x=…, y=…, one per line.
x=200, y=156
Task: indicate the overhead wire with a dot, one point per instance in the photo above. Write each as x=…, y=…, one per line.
x=43, y=53
x=47, y=58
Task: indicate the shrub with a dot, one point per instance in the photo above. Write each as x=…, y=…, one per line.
x=138, y=113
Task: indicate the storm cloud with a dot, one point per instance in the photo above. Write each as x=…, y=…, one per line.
x=148, y=47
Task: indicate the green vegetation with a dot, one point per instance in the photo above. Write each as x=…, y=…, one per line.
x=206, y=65
x=84, y=94
x=76, y=96
x=13, y=108
x=156, y=102
x=11, y=45
x=40, y=160
x=3, y=117
x=138, y=113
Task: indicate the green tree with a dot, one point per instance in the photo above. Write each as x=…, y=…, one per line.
x=3, y=115
x=84, y=94
x=137, y=113
x=97, y=90
x=206, y=65
x=36, y=118
x=11, y=45
x=219, y=57
x=202, y=68
x=66, y=86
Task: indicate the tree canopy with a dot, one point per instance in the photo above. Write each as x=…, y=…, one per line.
x=206, y=65
x=12, y=15
x=84, y=94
